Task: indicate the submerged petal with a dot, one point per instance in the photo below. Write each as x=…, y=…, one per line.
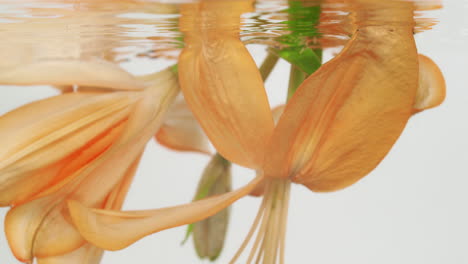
x=46, y=141
x=344, y=118
x=181, y=131
x=27, y=185
x=57, y=225
x=431, y=91
x=87, y=254
x=42, y=228
x=98, y=73
x=39, y=136
x=99, y=226
x=221, y=82
x=90, y=254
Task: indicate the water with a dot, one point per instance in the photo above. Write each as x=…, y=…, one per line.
x=124, y=30
x=409, y=215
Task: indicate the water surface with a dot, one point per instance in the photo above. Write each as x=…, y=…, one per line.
x=124, y=30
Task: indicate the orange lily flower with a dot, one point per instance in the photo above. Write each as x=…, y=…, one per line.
x=62, y=148
x=337, y=127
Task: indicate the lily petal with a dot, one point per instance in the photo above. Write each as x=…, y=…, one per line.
x=47, y=140
x=24, y=223
x=431, y=91
x=50, y=126
x=98, y=73
x=99, y=226
x=87, y=254
x=43, y=133
x=42, y=227
x=47, y=242
x=221, y=82
x=181, y=131
x=345, y=118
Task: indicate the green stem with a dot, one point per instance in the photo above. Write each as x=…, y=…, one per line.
x=268, y=65
x=175, y=68
x=296, y=77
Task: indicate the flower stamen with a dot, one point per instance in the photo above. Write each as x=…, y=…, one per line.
x=270, y=224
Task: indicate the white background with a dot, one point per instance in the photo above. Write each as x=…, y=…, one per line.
x=413, y=208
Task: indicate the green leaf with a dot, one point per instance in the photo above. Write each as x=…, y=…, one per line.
x=306, y=59
x=302, y=23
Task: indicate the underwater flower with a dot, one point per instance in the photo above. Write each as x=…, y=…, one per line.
x=84, y=145
x=337, y=127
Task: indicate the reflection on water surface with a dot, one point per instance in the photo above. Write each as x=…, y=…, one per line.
x=120, y=30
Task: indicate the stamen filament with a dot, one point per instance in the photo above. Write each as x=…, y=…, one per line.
x=254, y=226
x=266, y=214
x=268, y=247
x=284, y=221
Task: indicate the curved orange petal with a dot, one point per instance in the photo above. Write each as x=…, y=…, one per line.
x=45, y=141
x=145, y=120
x=37, y=137
x=87, y=254
x=221, y=82
x=97, y=73
x=344, y=118
x=181, y=131
x=431, y=91
x=84, y=157
x=39, y=229
x=99, y=226
x=24, y=136
x=24, y=186
x=42, y=227
x=57, y=225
